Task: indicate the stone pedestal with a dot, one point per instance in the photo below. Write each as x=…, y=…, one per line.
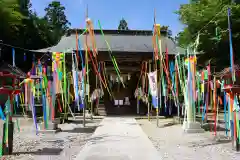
x=88, y=115
x=51, y=128
x=236, y=145
x=192, y=127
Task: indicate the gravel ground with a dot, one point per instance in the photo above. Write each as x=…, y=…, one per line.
x=64, y=145
x=173, y=144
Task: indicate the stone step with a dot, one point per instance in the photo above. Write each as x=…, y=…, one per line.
x=102, y=112
x=102, y=109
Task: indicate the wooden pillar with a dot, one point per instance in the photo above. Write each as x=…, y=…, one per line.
x=137, y=94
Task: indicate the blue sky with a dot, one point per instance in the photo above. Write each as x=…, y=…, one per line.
x=138, y=13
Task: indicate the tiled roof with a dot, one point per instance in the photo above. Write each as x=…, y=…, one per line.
x=118, y=43
x=14, y=70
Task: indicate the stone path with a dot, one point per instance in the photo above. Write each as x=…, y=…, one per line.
x=119, y=139
x=174, y=144
x=64, y=145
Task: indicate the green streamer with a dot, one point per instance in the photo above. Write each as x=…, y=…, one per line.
x=8, y=110
x=17, y=120
x=199, y=93
x=180, y=74
x=64, y=85
x=110, y=54
x=1, y=149
x=107, y=81
x=115, y=64
x=84, y=32
x=163, y=86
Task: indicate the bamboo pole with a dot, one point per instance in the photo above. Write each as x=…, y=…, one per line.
x=84, y=92
x=149, y=70
x=160, y=73
x=155, y=64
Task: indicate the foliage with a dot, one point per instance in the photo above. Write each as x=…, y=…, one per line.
x=23, y=28
x=123, y=25
x=11, y=18
x=209, y=19
x=166, y=28
x=57, y=19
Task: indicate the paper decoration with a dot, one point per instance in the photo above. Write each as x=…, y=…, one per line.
x=152, y=76
x=115, y=102
x=127, y=102
x=97, y=93
x=120, y=102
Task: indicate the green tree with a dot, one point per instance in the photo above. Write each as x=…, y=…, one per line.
x=55, y=15
x=11, y=19
x=25, y=6
x=23, y=28
x=168, y=31
x=209, y=19
x=123, y=25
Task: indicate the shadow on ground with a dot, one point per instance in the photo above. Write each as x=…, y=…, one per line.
x=133, y=124
x=210, y=127
x=222, y=141
x=79, y=121
x=167, y=125
x=44, y=151
x=82, y=130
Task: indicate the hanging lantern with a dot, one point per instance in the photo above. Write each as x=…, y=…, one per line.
x=24, y=57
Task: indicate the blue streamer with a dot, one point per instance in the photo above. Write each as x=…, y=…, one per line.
x=17, y=100
x=40, y=68
x=25, y=57
x=2, y=114
x=172, y=70
x=204, y=111
x=154, y=101
x=34, y=113
x=230, y=45
x=76, y=87
x=13, y=57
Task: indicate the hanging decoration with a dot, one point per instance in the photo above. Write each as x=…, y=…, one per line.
x=152, y=77
x=110, y=55
x=24, y=57
x=13, y=55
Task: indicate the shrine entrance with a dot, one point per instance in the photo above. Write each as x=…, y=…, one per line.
x=122, y=101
